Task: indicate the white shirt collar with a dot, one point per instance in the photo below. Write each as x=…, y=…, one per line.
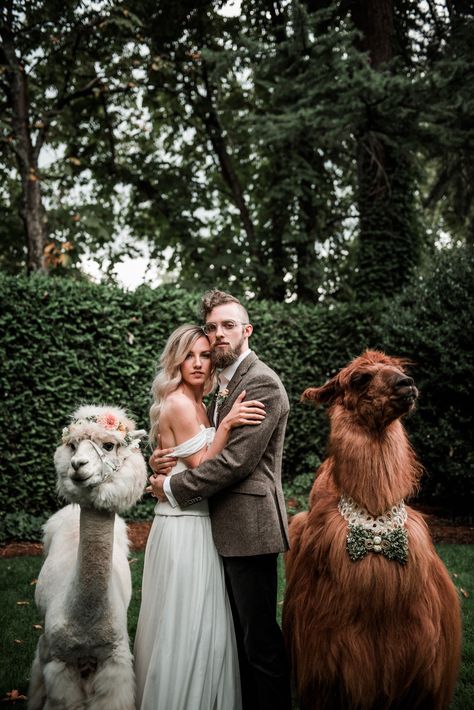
x=228, y=372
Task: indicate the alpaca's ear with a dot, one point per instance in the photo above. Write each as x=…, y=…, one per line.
x=324, y=394
x=134, y=440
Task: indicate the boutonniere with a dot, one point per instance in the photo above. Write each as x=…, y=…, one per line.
x=221, y=396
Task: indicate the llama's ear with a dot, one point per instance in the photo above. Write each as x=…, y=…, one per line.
x=322, y=395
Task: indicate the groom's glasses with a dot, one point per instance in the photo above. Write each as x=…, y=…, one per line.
x=226, y=325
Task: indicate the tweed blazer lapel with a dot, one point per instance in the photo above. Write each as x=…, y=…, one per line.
x=241, y=371
x=211, y=408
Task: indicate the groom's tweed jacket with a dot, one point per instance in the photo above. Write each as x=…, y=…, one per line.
x=243, y=482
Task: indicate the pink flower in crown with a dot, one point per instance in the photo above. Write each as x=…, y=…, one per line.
x=108, y=420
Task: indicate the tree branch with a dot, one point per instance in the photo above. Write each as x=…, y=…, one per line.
x=109, y=128
x=209, y=117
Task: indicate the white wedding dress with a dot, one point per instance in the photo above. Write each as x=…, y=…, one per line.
x=185, y=650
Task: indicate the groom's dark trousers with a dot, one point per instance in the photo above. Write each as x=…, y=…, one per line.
x=252, y=584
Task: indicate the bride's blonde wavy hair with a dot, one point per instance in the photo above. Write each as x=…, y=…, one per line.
x=168, y=377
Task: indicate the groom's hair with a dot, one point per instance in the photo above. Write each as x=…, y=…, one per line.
x=215, y=298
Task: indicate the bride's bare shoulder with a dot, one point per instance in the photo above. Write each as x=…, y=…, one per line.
x=176, y=404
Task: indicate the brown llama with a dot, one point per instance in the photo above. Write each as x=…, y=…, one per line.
x=371, y=617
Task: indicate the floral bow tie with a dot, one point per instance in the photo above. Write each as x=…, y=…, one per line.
x=392, y=544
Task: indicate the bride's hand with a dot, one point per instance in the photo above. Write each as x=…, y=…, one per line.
x=155, y=487
x=242, y=413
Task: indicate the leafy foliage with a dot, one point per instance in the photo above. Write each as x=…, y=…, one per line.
x=272, y=150
x=432, y=324
x=69, y=342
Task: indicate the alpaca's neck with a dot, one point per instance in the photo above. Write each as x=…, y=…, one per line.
x=89, y=595
x=377, y=469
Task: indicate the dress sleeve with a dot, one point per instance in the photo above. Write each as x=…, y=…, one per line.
x=196, y=443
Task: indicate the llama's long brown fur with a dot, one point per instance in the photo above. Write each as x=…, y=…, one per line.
x=370, y=634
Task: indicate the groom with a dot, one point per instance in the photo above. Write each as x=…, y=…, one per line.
x=248, y=516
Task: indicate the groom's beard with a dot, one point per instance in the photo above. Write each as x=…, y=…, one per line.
x=223, y=357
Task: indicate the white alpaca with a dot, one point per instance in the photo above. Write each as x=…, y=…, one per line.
x=83, y=660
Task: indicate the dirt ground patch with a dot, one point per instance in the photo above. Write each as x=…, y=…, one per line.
x=442, y=530
x=137, y=532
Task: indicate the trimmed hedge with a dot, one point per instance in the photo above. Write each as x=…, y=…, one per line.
x=432, y=324
x=64, y=343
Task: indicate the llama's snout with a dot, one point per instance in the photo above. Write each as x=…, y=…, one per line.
x=405, y=388
x=406, y=382
x=404, y=395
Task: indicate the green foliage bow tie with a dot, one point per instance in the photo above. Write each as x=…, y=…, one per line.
x=392, y=544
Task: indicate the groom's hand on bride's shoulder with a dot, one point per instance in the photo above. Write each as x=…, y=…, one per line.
x=161, y=461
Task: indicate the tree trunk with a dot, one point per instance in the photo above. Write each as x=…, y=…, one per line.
x=389, y=242
x=312, y=215
x=216, y=136
x=375, y=19
x=305, y=286
x=33, y=218
x=33, y=214
x=214, y=131
x=271, y=284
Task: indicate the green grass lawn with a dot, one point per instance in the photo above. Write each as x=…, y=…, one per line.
x=21, y=623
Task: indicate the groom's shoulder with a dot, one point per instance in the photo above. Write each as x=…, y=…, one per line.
x=261, y=381
x=261, y=370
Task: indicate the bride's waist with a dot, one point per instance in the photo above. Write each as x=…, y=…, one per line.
x=199, y=509
x=165, y=508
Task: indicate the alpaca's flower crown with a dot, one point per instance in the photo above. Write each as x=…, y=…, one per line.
x=107, y=420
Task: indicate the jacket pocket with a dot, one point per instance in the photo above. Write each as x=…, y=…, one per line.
x=253, y=488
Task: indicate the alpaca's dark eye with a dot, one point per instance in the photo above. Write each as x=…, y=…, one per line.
x=72, y=447
x=108, y=446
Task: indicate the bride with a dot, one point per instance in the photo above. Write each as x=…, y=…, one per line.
x=185, y=650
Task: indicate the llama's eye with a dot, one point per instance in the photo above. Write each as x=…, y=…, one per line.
x=361, y=380
x=108, y=446
x=72, y=447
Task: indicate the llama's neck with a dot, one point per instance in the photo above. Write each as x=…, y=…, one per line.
x=377, y=469
x=89, y=595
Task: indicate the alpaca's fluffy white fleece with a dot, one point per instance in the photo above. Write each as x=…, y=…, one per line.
x=61, y=541
x=76, y=629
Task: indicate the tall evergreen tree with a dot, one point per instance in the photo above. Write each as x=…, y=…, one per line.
x=447, y=130
x=389, y=240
